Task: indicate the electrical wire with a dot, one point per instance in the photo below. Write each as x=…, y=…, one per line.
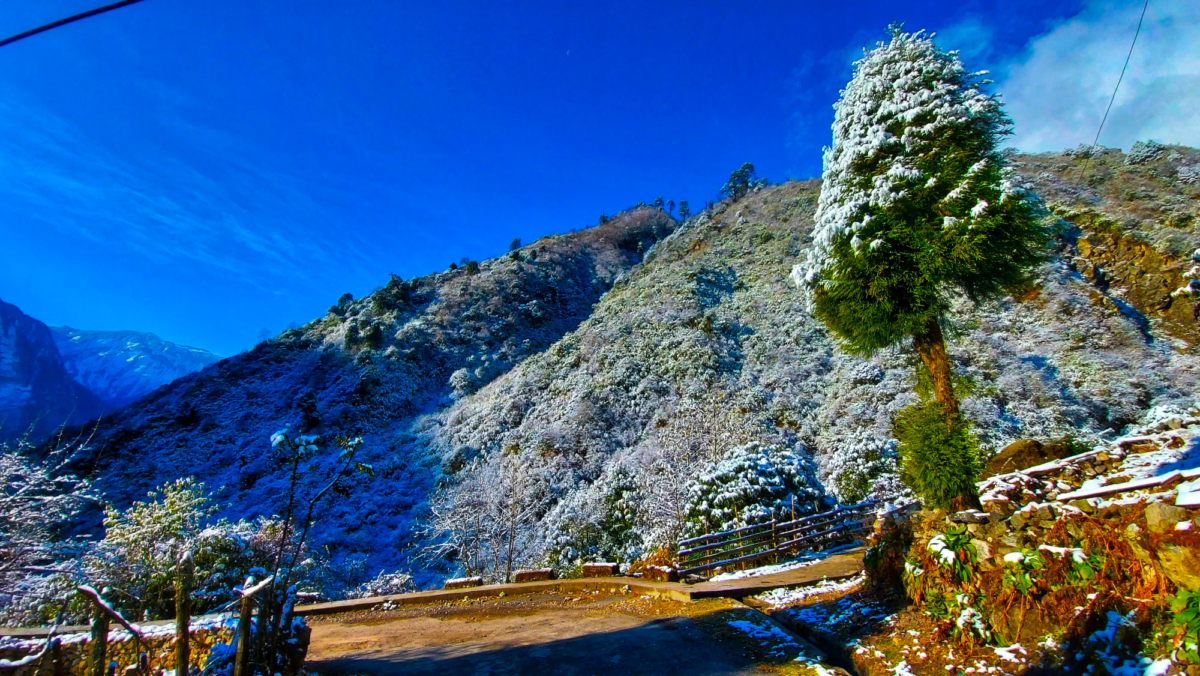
x=70, y=19
x=1104, y=119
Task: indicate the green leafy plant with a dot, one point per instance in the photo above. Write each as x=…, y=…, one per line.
x=1085, y=569
x=954, y=551
x=1186, y=606
x=1020, y=568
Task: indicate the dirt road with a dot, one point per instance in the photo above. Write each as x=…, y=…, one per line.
x=592, y=633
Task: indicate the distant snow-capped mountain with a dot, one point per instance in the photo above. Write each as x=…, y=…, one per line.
x=37, y=394
x=121, y=367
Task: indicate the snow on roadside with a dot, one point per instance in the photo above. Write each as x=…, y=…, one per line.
x=756, y=630
x=778, y=598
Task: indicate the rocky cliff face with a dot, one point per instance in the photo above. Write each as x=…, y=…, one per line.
x=37, y=394
x=121, y=367
x=1137, y=229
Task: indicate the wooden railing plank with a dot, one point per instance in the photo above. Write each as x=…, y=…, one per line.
x=783, y=537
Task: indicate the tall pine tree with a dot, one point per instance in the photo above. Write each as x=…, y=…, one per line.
x=916, y=205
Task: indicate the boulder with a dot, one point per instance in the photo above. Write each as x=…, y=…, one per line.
x=1162, y=517
x=969, y=516
x=1026, y=453
x=1181, y=564
x=1020, y=454
x=538, y=575
x=983, y=549
x=601, y=569
x=463, y=582
x=1024, y=621
x=661, y=574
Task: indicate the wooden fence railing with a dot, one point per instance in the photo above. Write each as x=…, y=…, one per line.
x=750, y=543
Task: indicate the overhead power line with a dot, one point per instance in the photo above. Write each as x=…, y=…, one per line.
x=70, y=19
x=1104, y=119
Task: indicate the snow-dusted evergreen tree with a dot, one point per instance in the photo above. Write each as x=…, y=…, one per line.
x=596, y=525
x=916, y=204
x=751, y=484
x=863, y=467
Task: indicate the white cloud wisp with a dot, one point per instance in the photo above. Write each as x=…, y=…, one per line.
x=1057, y=89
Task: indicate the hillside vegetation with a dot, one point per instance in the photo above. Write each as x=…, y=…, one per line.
x=615, y=364
x=369, y=367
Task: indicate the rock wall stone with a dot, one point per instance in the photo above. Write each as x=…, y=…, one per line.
x=122, y=649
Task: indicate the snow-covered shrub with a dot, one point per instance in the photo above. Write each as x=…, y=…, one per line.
x=862, y=467
x=866, y=372
x=752, y=484
x=596, y=525
x=142, y=546
x=39, y=599
x=35, y=499
x=1144, y=151
x=1189, y=173
x=384, y=584
x=485, y=524
x=1084, y=151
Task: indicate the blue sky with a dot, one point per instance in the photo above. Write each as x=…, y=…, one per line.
x=207, y=170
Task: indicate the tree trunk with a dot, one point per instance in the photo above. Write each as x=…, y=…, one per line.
x=931, y=345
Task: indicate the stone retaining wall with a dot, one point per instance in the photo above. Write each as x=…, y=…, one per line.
x=206, y=634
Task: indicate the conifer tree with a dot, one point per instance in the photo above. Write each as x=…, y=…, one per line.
x=916, y=205
x=741, y=182
x=684, y=210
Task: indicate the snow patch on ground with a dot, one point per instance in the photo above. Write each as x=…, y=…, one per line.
x=778, y=598
x=756, y=630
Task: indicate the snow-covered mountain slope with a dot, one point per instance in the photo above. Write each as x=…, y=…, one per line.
x=702, y=346
x=707, y=346
x=368, y=367
x=121, y=367
x=37, y=394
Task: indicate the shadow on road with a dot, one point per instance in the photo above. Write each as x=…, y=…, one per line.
x=666, y=646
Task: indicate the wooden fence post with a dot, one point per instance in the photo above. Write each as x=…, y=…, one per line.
x=104, y=614
x=242, y=657
x=241, y=660
x=56, y=657
x=98, y=660
x=774, y=541
x=183, y=613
